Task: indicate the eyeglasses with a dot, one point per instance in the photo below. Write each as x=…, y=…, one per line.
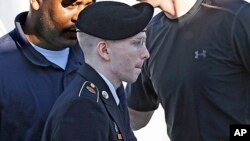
x=139, y=42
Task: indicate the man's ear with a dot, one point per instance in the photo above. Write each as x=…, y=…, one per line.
x=35, y=4
x=103, y=50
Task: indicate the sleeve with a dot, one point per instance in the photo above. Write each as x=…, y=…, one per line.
x=84, y=119
x=141, y=95
x=241, y=36
x=1, y=102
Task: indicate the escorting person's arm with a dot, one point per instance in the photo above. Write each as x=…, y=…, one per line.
x=139, y=119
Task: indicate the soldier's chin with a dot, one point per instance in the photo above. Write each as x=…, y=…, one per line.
x=132, y=79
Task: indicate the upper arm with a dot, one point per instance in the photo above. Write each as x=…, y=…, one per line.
x=241, y=36
x=142, y=101
x=139, y=119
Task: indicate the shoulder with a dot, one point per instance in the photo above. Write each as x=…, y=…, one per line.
x=226, y=14
x=158, y=20
x=80, y=95
x=9, y=53
x=230, y=6
x=79, y=89
x=90, y=90
x=10, y=41
x=157, y=27
x=7, y=43
x=76, y=111
x=238, y=12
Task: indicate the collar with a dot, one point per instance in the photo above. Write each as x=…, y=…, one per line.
x=59, y=57
x=111, y=88
x=196, y=7
x=75, y=55
x=90, y=74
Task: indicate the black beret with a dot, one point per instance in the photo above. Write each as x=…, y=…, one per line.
x=114, y=20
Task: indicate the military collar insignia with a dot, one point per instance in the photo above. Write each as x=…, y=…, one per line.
x=105, y=95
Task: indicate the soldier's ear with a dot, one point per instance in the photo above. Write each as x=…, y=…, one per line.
x=35, y=4
x=103, y=50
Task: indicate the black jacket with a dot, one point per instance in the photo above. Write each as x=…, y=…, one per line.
x=86, y=111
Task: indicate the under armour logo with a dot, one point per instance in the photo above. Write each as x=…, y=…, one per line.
x=202, y=54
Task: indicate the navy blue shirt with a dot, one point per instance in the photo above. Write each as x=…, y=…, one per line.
x=29, y=85
x=199, y=71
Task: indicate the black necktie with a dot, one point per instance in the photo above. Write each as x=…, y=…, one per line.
x=124, y=110
x=121, y=95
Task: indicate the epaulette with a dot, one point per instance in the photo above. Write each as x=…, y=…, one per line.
x=89, y=88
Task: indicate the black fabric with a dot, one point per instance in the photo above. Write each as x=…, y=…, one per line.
x=81, y=114
x=121, y=95
x=124, y=110
x=198, y=70
x=114, y=20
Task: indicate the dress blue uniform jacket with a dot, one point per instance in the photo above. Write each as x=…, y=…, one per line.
x=86, y=111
